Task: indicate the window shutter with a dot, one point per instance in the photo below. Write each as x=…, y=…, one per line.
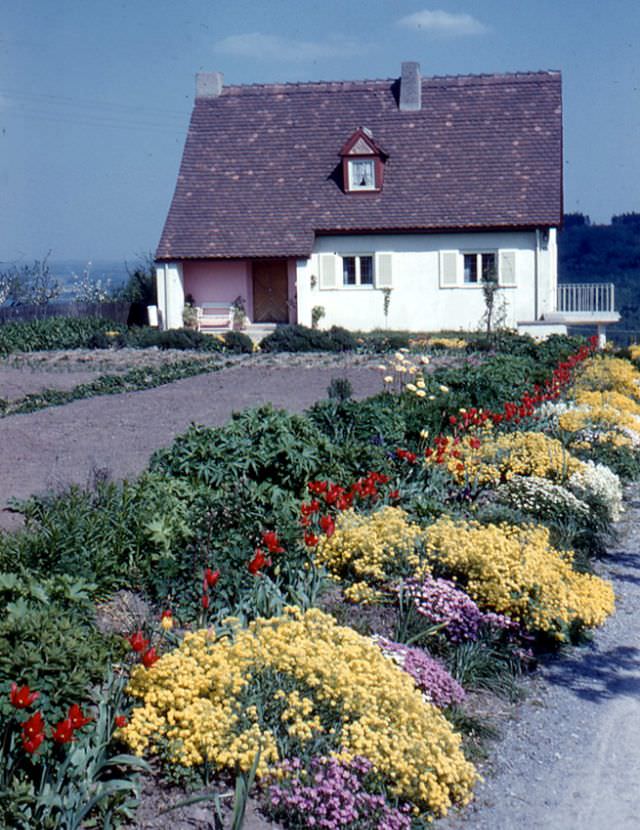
x=327, y=271
x=383, y=271
x=448, y=268
x=507, y=273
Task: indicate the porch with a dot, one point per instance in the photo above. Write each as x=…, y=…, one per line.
x=263, y=289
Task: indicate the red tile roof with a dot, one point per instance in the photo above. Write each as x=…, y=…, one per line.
x=260, y=172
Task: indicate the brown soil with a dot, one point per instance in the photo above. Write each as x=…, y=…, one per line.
x=116, y=434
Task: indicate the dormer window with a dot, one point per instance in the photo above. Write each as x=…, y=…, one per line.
x=362, y=163
x=362, y=174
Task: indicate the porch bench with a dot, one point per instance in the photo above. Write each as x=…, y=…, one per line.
x=214, y=316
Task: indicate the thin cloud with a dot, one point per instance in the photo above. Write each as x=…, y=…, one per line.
x=438, y=22
x=272, y=47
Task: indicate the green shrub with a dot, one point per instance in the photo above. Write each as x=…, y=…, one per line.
x=492, y=383
x=303, y=339
x=112, y=536
x=380, y=341
x=144, y=338
x=264, y=445
x=55, y=333
x=51, y=651
x=238, y=342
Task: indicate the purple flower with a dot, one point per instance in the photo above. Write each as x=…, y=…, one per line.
x=429, y=675
x=443, y=603
x=332, y=794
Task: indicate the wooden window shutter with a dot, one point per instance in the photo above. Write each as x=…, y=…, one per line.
x=507, y=272
x=448, y=268
x=384, y=277
x=327, y=271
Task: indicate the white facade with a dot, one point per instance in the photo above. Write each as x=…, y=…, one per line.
x=426, y=277
x=423, y=277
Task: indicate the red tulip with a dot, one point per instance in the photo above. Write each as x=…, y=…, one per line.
x=32, y=726
x=327, y=525
x=205, y=601
x=22, y=696
x=31, y=744
x=258, y=562
x=310, y=539
x=121, y=721
x=78, y=720
x=63, y=732
x=150, y=657
x=211, y=578
x=138, y=642
x=270, y=539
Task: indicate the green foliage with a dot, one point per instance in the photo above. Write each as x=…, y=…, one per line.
x=263, y=445
x=113, y=536
x=53, y=333
x=237, y=342
x=86, y=783
x=381, y=341
x=302, y=339
x=492, y=383
x=339, y=390
x=140, y=288
x=489, y=663
x=58, y=653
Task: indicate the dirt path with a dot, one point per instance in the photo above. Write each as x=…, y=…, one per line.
x=55, y=447
x=571, y=760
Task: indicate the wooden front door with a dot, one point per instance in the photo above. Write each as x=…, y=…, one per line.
x=270, y=292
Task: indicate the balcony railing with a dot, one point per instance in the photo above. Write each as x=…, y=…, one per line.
x=586, y=298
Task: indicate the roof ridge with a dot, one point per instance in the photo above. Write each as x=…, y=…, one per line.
x=303, y=86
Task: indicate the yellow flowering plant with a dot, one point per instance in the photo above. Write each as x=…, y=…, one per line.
x=369, y=551
x=298, y=683
x=516, y=571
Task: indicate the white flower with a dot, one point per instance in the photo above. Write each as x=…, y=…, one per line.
x=597, y=484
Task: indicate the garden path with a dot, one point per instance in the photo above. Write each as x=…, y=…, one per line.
x=116, y=434
x=570, y=760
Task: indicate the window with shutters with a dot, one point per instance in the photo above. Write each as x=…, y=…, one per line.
x=357, y=270
x=459, y=269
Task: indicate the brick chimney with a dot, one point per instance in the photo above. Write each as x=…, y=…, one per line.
x=410, y=87
x=209, y=84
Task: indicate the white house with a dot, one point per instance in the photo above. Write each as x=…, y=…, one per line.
x=384, y=203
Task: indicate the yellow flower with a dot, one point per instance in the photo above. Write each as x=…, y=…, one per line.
x=411, y=387
x=388, y=379
x=443, y=388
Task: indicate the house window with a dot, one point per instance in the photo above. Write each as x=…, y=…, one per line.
x=479, y=267
x=357, y=270
x=362, y=174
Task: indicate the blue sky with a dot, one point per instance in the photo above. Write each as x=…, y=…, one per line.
x=95, y=95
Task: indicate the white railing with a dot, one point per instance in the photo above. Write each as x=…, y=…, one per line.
x=590, y=297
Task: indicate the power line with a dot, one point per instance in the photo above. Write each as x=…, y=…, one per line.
x=66, y=100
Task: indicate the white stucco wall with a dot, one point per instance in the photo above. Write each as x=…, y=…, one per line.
x=418, y=300
x=170, y=289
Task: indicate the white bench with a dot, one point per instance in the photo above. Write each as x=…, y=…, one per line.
x=214, y=316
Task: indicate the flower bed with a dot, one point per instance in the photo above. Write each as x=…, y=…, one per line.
x=452, y=553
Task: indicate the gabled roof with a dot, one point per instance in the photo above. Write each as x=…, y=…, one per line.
x=260, y=174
